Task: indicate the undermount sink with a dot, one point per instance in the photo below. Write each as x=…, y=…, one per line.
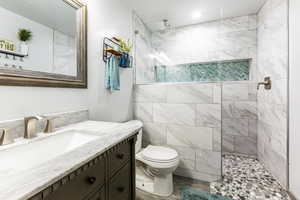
x=41, y=150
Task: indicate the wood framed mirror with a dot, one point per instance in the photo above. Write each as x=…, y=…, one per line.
x=43, y=43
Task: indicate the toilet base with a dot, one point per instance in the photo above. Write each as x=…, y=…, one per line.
x=157, y=185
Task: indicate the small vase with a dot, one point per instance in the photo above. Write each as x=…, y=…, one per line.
x=24, y=48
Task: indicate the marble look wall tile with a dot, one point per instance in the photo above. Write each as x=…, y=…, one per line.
x=155, y=134
x=272, y=104
x=233, y=53
x=234, y=24
x=253, y=128
x=16, y=127
x=190, y=93
x=64, y=119
x=197, y=137
x=143, y=112
x=180, y=114
x=235, y=126
x=228, y=143
x=252, y=92
x=276, y=164
x=217, y=139
x=245, y=145
x=252, y=22
x=270, y=113
x=208, y=162
x=277, y=95
x=278, y=143
x=175, y=124
x=197, y=175
x=235, y=92
x=239, y=110
x=185, y=152
x=245, y=38
x=186, y=164
x=150, y=93
x=209, y=115
x=217, y=94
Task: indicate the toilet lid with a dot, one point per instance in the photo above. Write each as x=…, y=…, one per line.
x=159, y=154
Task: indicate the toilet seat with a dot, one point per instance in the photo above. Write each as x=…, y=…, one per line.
x=159, y=154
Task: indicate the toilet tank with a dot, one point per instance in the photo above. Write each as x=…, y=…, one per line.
x=138, y=144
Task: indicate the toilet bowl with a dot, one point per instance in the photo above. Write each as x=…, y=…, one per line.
x=154, y=169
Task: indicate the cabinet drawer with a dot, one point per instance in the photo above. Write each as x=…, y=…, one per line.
x=120, y=185
x=80, y=183
x=118, y=157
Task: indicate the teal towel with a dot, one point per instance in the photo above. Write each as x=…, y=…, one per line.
x=112, y=76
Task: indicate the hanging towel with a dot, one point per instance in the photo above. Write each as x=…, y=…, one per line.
x=112, y=76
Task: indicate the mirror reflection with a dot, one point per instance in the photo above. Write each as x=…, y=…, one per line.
x=38, y=35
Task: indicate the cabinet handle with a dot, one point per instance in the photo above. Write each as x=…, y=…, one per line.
x=120, y=156
x=92, y=180
x=120, y=189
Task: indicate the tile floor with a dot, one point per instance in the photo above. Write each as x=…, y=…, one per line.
x=179, y=183
x=246, y=179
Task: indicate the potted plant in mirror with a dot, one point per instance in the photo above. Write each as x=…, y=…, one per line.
x=24, y=36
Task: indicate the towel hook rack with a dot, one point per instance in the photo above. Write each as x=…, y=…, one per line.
x=109, y=48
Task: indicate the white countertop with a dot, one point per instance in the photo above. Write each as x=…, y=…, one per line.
x=16, y=185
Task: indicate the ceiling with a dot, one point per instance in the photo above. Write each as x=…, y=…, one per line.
x=186, y=12
x=55, y=14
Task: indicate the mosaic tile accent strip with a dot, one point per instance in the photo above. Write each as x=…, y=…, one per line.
x=237, y=70
x=246, y=179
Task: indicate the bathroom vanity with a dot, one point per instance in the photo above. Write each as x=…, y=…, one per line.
x=84, y=161
x=110, y=175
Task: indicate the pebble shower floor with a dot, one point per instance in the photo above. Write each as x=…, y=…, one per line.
x=246, y=179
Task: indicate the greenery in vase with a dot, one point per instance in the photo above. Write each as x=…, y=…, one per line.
x=126, y=46
x=24, y=35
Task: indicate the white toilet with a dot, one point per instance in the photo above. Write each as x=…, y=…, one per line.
x=154, y=168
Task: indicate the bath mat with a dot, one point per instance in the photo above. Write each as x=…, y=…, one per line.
x=191, y=194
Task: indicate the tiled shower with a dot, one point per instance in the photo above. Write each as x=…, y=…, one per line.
x=196, y=90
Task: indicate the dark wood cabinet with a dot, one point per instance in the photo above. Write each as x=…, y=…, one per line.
x=99, y=195
x=109, y=176
x=120, y=187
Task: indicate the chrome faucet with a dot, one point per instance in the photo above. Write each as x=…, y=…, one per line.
x=30, y=126
x=5, y=137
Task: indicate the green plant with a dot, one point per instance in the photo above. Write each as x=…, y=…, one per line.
x=126, y=46
x=24, y=35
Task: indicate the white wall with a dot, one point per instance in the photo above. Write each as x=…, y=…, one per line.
x=17, y=102
x=294, y=98
x=107, y=19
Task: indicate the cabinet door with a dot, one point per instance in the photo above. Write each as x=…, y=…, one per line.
x=99, y=195
x=120, y=185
